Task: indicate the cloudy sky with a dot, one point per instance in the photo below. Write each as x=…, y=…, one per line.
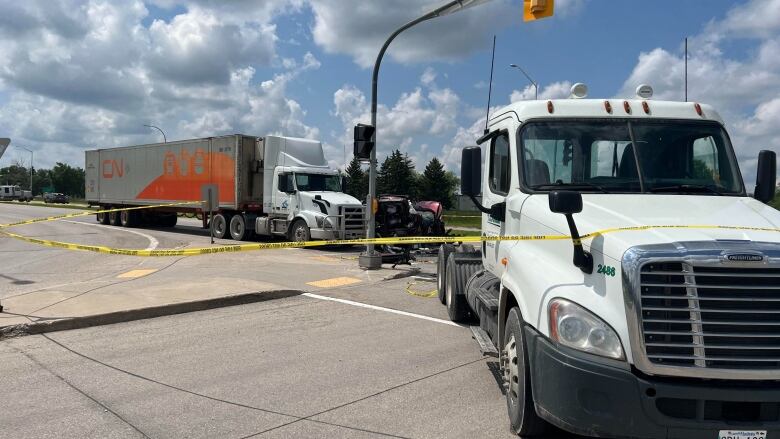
x=80, y=74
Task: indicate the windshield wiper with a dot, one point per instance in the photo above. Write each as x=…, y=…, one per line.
x=687, y=188
x=578, y=185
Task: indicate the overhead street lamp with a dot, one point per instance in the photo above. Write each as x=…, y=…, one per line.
x=165, y=140
x=534, y=83
x=370, y=259
x=32, y=155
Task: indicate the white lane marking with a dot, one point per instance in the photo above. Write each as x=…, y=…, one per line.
x=153, y=242
x=381, y=308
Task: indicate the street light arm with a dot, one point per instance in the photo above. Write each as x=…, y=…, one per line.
x=165, y=140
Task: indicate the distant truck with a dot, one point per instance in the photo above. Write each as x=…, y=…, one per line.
x=15, y=193
x=266, y=186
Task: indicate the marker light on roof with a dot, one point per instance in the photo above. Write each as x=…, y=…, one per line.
x=644, y=91
x=646, y=107
x=579, y=91
x=608, y=107
x=550, y=107
x=698, y=109
x=627, y=107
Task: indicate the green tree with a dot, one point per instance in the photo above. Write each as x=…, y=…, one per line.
x=68, y=180
x=357, y=180
x=15, y=175
x=397, y=176
x=776, y=202
x=436, y=184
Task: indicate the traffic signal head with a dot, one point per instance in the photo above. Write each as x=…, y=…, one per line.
x=364, y=141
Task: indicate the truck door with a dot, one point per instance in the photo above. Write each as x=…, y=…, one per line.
x=283, y=197
x=495, y=190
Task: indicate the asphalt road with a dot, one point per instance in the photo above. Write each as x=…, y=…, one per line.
x=301, y=365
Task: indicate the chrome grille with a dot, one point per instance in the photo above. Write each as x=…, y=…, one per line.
x=711, y=315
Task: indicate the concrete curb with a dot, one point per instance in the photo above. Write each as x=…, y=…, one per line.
x=41, y=327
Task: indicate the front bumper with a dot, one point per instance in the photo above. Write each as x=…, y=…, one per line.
x=332, y=234
x=596, y=397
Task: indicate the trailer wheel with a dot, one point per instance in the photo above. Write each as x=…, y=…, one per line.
x=458, y=274
x=238, y=228
x=169, y=220
x=299, y=232
x=128, y=218
x=519, y=400
x=113, y=218
x=101, y=217
x=441, y=271
x=220, y=225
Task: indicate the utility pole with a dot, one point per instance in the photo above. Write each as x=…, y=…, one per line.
x=32, y=156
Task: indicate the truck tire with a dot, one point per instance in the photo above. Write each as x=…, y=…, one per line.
x=102, y=218
x=169, y=220
x=128, y=218
x=113, y=218
x=441, y=271
x=519, y=400
x=459, y=270
x=299, y=231
x=220, y=226
x=238, y=229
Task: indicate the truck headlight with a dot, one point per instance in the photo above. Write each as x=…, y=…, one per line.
x=320, y=221
x=573, y=326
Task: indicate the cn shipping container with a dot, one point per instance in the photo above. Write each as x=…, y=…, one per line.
x=177, y=172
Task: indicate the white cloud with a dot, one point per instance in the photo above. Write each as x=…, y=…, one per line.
x=358, y=28
x=744, y=90
x=415, y=117
x=84, y=74
x=556, y=90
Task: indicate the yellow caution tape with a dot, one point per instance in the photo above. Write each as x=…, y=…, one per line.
x=424, y=294
x=280, y=245
x=91, y=212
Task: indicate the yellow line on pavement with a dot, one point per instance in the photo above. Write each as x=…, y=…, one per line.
x=334, y=282
x=136, y=273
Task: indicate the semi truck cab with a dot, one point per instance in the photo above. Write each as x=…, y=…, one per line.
x=663, y=320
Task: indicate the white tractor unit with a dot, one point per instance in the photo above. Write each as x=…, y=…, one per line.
x=664, y=320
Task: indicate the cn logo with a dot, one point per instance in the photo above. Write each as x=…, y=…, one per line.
x=113, y=168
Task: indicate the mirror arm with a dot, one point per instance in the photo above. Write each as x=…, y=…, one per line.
x=479, y=205
x=582, y=259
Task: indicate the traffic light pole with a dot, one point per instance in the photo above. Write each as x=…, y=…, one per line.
x=371, y=260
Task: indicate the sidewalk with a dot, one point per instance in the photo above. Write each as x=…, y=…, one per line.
x=165, y=286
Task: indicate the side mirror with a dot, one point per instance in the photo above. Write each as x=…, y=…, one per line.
x=568, y=203
x=471, y=171
x=344, y=184
x=565, y=202
x=766, y=177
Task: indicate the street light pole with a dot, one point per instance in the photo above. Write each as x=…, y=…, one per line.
x=534, y=83
x=370, y=260
x=165, y=139
x=32, y=156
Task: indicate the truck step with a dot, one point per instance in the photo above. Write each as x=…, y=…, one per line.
x=483, y=339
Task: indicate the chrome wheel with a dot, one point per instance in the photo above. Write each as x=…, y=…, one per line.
x=511, y=370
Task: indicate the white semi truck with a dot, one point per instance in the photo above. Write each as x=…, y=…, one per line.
x=268, y=186
x=667, y=329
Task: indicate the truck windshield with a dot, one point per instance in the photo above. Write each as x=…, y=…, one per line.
x=317, y=182
x=664, y=156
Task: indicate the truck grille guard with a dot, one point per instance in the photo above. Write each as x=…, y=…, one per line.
x=704, y=309
x=353, y=220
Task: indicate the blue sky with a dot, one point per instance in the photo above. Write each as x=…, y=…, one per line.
x=80, y=74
